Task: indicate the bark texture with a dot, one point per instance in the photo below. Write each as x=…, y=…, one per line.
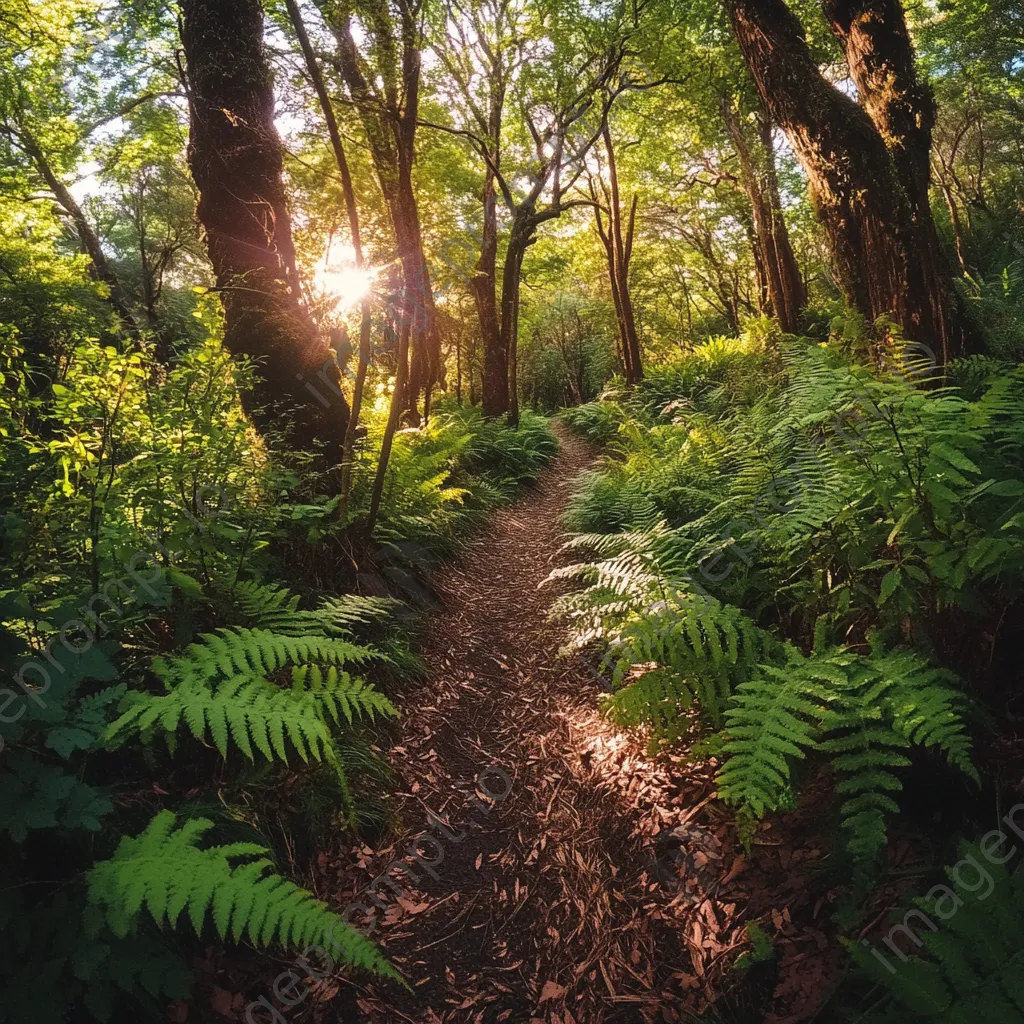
x=236, y=160
x=778, y=272
x=864, y=165
x=484, y=286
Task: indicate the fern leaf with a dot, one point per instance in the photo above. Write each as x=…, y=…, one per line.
x=164, y=869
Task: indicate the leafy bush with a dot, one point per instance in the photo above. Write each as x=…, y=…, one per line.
x=444, y=477
x=241, y=690
x=147, y=659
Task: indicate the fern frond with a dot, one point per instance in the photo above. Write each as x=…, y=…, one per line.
x=970, y=965
x=708, y=646
x=239, y=650
x=276, y=608
x=252, y=714
x=163, y=871
x=773, y=719
x=863, y=712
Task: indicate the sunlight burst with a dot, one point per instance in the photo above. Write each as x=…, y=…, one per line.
x=344, y=282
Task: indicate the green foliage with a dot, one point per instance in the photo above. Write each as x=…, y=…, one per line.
x=86, y=965
x=505, y=458
x=162, y=871
x=274, y=608
x=781, y=562
x=700, y=647
x=863, y=713
x=761, y=948
x=444, y=477
x=251, y=711
x=253, y=652
x=971, y=962
x=706, y=648
x=566, y=346
x=241, y=687
x=598, y=421
x=37, y=795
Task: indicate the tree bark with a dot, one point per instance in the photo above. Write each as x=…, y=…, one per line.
x=880, y=55
x=870, y=197
x=389, y=116
x=236, y=159
x=504, y=387
x=484, y=286
x=777, y=267
x=618, y=246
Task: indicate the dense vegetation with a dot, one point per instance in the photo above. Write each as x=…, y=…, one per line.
x=287, y=293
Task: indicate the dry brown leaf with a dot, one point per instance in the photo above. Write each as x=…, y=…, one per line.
x=551, y=990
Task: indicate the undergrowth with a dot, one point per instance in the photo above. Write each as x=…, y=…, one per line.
x=183, y=708
x=818, y=560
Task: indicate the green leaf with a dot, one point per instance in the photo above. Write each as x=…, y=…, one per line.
x=890, y=583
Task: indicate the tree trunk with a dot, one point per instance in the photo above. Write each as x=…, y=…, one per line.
x=871, y=201
x=621, y=251
x=484, y=288
x=618, y=251
x=352, y=213
x=501, y=384
x=100, y=268
x=390, y=125
x=880, y=55
x=236, y=159
x=777, y=267
x=955, y=224
x=794, y=290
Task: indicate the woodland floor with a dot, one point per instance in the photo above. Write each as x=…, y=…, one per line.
x=548, y=905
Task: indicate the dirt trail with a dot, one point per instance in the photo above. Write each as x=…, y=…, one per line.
x=543, y=907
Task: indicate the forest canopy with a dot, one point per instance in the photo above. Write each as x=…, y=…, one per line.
x=394, y=392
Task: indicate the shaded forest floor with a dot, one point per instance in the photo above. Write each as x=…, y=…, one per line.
x=539, y=897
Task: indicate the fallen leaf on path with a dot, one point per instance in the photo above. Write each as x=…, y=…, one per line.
x=551, y=990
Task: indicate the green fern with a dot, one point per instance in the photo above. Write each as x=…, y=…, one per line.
x=276, y=608
x=703, y=649
x=232, y=651
x=863, y=712
x=164, y=872
x=772, y=720
x=970, y=967
x=638, y=601
x=220, y=689
x=253, y=713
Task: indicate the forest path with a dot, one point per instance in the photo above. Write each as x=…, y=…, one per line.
x=542, y=908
